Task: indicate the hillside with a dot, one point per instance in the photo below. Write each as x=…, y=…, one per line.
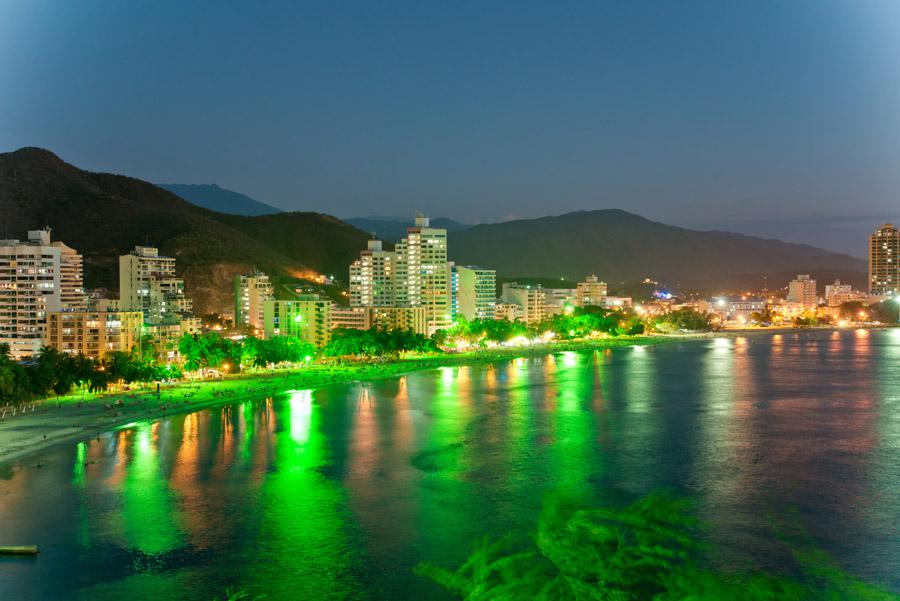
x=392, y=229
x=104, y=216
x=211, y=196
x=623, y=247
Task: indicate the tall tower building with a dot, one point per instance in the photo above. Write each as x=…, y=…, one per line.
x=37, y=277
x=423, y=273
x=884, y=270
x=250, y=295
x=373, y=277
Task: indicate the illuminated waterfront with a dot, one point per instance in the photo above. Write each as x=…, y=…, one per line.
x=343, y=490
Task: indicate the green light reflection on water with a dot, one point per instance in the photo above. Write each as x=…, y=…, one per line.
x=148, y=517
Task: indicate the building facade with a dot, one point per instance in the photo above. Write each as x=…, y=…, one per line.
x=308, y=317
x=423, y=275
x=590, y=292
x=373, y=277
x=93, y=333
x=148, y=283
x=476, y=292
x=884, y=269
x=250, y=295
x=530, y=300
x=802, y=290
x=37, y=277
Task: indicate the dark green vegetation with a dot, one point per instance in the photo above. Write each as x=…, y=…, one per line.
x=104, y=216
x=647, y=550
x=214, y=198
x=377, y=342
x=58, y=373
x=623, y=247
x=212, y=351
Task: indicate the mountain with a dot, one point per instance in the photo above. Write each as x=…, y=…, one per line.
x=624, y=247
x=211, y=196
x=104, y=216
x=391, y=229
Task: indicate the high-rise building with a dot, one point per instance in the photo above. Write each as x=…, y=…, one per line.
x=884, y=265
x=37, y=277
x=308, y=317
x=530, y=300
x=590, y=292
x=93, y=333
x=802, y=290
x=477, y=292
x=373, y=277
x=423, y=273
x=148, y=283
x=250, y=295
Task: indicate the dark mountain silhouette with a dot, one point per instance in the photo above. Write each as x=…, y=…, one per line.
x=392, y=229
x=103, y=216
x=211, y=196
x=624, y=247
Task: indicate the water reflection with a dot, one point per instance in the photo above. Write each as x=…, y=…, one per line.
x=340, y=492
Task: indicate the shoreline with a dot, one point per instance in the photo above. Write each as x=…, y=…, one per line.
x=75, y=417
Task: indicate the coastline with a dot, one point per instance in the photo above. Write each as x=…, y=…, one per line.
x=58, y=420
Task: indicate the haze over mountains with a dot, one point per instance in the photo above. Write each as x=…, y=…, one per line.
x=104, y=215
x=211, y=196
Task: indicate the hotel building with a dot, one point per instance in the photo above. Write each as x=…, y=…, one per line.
x=884, y=269
x=476, y=292
x=37, y=277
x=250, y=295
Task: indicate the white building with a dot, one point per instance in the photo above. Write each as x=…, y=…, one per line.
x=373, y=277
x=802, y=290
x=423, y=273
x=590, y=292
x=557, y=299
x=530, y=300
x=250, y=295
x=477, y=292
x=37, y=277
x=148, y=283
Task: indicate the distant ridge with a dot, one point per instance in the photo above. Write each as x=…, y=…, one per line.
x=103, y=216
x=392, y=229
x=623, y=247
x=215, y=198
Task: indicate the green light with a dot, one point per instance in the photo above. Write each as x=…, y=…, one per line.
x=298, y=318
x=307, y=358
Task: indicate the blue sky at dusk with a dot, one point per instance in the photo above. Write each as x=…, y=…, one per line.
x=772, y=118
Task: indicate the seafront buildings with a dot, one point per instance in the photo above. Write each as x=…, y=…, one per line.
x=93, y=333
x=590, y=292
x=802, y=291
x=250, y=295
x=529, y=299
x=37, y=277
x=148, y=283
x=307, y=317
x=373, y=277
x=884, y=265
x=476, y=292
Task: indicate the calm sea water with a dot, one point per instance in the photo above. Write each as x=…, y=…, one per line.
x=340, y=492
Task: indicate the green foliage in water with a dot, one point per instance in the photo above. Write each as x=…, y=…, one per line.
x=646, y=551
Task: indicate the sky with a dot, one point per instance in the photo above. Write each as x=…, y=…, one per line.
x=773, y=118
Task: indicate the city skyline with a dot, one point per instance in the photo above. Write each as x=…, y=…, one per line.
x=787, y=123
